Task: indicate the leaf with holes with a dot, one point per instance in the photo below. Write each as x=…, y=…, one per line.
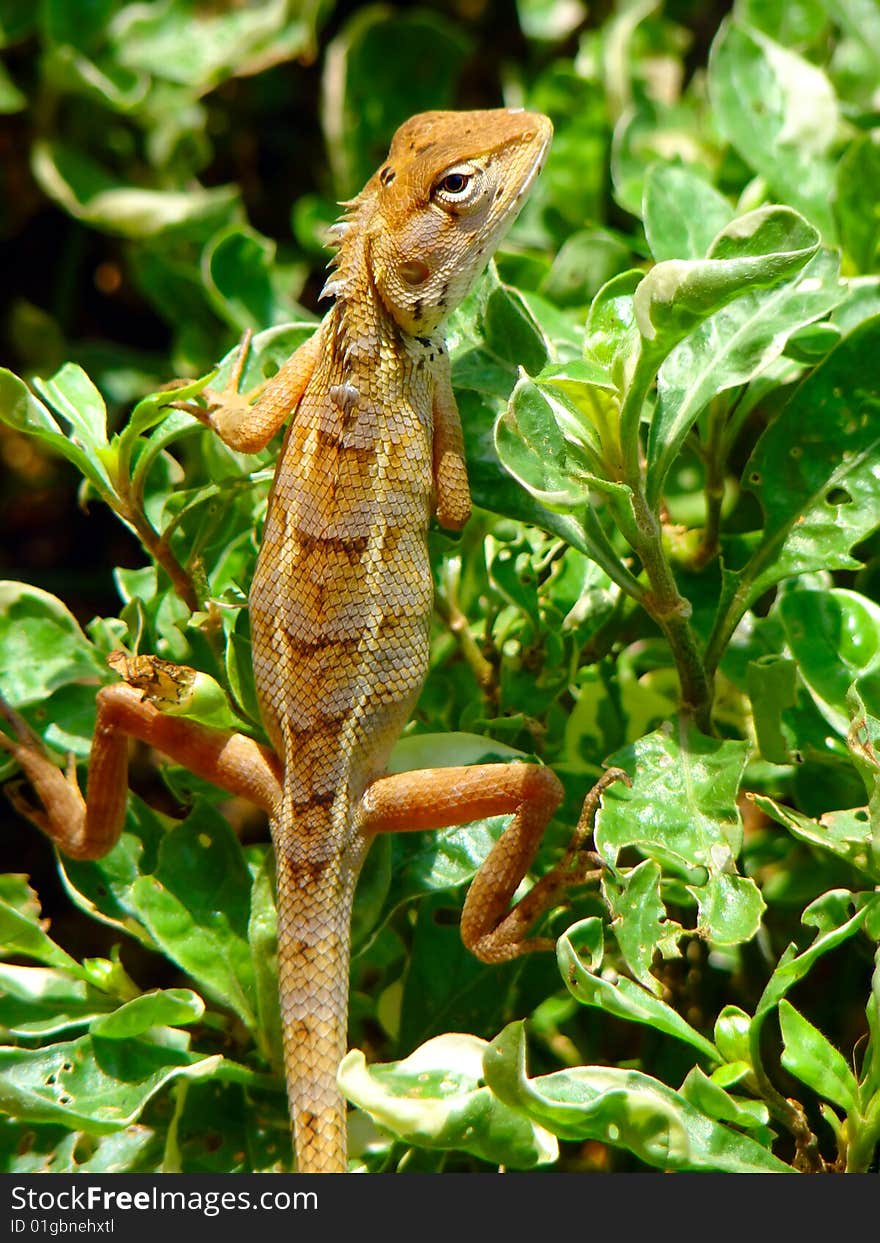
x=101, y=1085
x=814, y=472
x=641, y=925
x=579, y=954
x=731, y=348
x=624, y=1108
x=681, y=811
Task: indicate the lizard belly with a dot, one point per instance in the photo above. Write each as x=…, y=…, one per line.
x=341, y=598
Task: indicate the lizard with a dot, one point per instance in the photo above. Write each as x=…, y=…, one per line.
x=341, y=601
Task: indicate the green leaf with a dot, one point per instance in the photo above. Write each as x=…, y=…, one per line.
x=170, y=1007
x=369, y=93
x=238, y=263
x=549, y=20
x=532, y=447
x=86, y=191
x=790, y=22
x=510, y=329
x=731, y=348
x=444, y=987
x=196, y=907
x=587, y=259
x=246, y=282
x=74, y=396
x=45, y=1001
x=732, y=1034
x=435, y=1099
x=812, y=1059
x=834, y=635
x=21, y=931
x=42, y=647
x=111, y=85
x=21, y=410
x=681, y=811
x=97, y=1084
x=780, y=113
x=640, y=923
x=612, y=338
x=47, y=1148
x=846, y=834
x=813, y=472
x=182, y=42
x=624, y=1108
x=828, y=914
x=263, y=940
x=755, y=251
x=710, y=1098
x=11, y=98
x=861, y=301
x=579, y=954
x=857, y=196
x=103, y=887
x=502, y=491
x=585, y=406
x=771, y=683
x=871, y=1065
x=17, y=20
x=184, y=890
x=674, y=233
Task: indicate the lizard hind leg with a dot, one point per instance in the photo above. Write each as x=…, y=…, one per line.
x=88, y=828
x=441, y=797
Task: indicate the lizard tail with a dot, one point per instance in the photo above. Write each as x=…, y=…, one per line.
x=315, y=891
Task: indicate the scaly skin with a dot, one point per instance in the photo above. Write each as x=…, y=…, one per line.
x=342, y=595
x=341, y=603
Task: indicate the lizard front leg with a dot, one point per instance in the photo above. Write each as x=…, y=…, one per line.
x=452, y=497
x=437, y=798
x=88, y=829
x=246, y=422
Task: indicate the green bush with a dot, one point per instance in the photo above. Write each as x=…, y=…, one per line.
x=668, y=384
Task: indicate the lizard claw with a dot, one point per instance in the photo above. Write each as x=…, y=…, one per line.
x=229, y=402
x=213, y=401
x=577, y=854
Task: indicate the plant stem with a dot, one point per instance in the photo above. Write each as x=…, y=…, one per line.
x=163, y=556
x=672, y=612
x=726, y=622
x=447, y=605
x=713, y=488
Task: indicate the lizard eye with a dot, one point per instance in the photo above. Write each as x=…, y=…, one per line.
x=454, y=183
x=457, y=185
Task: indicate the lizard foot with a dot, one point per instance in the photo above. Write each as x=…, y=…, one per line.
x=60, y=802
x=576, y=855
x=224, y=410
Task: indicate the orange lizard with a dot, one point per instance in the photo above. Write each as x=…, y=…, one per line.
x=341, y=600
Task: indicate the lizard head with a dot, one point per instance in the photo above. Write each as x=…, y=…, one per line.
x=433, y=214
